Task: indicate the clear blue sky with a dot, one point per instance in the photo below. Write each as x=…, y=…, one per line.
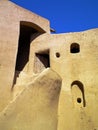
x=65, y=15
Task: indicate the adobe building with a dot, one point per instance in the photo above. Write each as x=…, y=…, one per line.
x=47, y=81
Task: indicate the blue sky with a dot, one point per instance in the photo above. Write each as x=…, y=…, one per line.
x=65, y=15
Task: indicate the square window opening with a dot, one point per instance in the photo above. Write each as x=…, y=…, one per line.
x=42, y=61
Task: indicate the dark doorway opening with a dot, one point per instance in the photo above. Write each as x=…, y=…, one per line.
x=23, y=48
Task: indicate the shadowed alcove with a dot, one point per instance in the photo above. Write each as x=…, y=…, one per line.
x=78, y=93
x=74, y=48
x=27, y=30
x=41, y=61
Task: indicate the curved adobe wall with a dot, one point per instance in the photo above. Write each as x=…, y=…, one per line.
x=74, y=57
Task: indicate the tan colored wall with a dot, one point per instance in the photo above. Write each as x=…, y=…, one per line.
x=36, y=106
x=10, y=17
x=79, y=67
x=75, y=107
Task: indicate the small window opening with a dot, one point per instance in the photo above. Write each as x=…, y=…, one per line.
x=74, y=48
x=57, y=54
x=79, y=100
x=42, y=61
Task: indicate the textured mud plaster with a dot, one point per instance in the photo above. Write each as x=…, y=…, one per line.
x=16, y=24
x=33, y=63
x=35, y=108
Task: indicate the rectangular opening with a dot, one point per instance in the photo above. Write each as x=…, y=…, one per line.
x=42, y=61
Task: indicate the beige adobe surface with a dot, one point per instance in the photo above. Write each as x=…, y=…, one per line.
x=47, y=81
